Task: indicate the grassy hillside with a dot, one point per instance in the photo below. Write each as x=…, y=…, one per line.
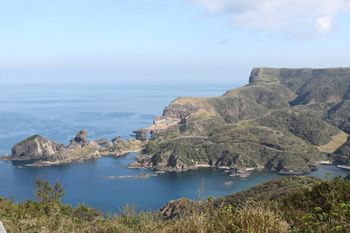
x=280, y=120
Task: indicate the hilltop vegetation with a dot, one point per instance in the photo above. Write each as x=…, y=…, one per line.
x=280, y=120
x=288, y=204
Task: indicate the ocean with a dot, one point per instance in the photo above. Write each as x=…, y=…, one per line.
x=58, y=111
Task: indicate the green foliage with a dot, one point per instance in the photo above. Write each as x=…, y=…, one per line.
x=233, y=109
x=323, y=208
x=269, y=207
x=47, y=194
x=25, y=141
x=237, y=145
x=268, y=191
x=303, y=125
x=276, y=121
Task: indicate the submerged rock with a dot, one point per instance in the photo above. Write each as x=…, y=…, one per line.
x=228, y=183
x=144, y=176
x=123, y=177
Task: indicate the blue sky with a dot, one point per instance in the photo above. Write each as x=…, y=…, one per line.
x=168, y=41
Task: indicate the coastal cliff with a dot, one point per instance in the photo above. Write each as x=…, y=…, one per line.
x=282, y=121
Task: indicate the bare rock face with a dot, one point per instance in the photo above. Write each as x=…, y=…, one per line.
x=5, y=157
x=34, y=147
x=117, y=140
x=93, y=143
x=141, y=134
x=80, y=138
x=239, y=172
x=102, y=141
x=174, y=114
x=40, y=151
x=168, y=163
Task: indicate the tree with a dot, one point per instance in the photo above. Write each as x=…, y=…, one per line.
x=47, y=194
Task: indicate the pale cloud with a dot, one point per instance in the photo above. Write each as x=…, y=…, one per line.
x=324, y=24
x=316, y=16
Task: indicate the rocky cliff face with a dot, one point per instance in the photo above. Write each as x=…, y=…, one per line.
x=35, y=147
x=277, y=121
x=45, y=152
x=177, y=112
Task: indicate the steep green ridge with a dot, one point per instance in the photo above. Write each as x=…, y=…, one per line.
x=277, y=121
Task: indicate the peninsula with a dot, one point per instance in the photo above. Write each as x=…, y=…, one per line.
x=285, y=120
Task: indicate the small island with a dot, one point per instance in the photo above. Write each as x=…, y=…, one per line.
x=38, y=151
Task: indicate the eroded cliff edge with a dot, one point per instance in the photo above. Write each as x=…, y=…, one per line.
x=285, y=120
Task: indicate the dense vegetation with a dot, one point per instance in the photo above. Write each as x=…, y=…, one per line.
x=289, y=204
x=280, y=120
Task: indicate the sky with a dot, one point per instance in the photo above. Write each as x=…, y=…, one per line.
x=168, y=41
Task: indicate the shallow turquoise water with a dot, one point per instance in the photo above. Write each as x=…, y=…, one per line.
x=57, y=112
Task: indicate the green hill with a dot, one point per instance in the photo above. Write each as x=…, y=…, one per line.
x=281, y=121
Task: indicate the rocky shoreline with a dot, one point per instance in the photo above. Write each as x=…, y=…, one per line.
x=43, y=152
x=233, y=171
x=39, y=151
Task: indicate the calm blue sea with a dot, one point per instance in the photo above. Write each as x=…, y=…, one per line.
x=58, y=111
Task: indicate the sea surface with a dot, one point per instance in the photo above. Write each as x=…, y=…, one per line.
x=58, y=111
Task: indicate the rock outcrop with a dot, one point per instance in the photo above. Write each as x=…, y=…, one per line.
x=34, y=148
x=40, y=151
x=239, y=172
x=117, y=140
x=173, y=114
x=80, y=138
x=103, y=141
x=169, y=163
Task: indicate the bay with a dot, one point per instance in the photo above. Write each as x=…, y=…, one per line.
x=58, y=111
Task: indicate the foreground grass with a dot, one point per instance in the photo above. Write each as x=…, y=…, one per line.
x=325, y=207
